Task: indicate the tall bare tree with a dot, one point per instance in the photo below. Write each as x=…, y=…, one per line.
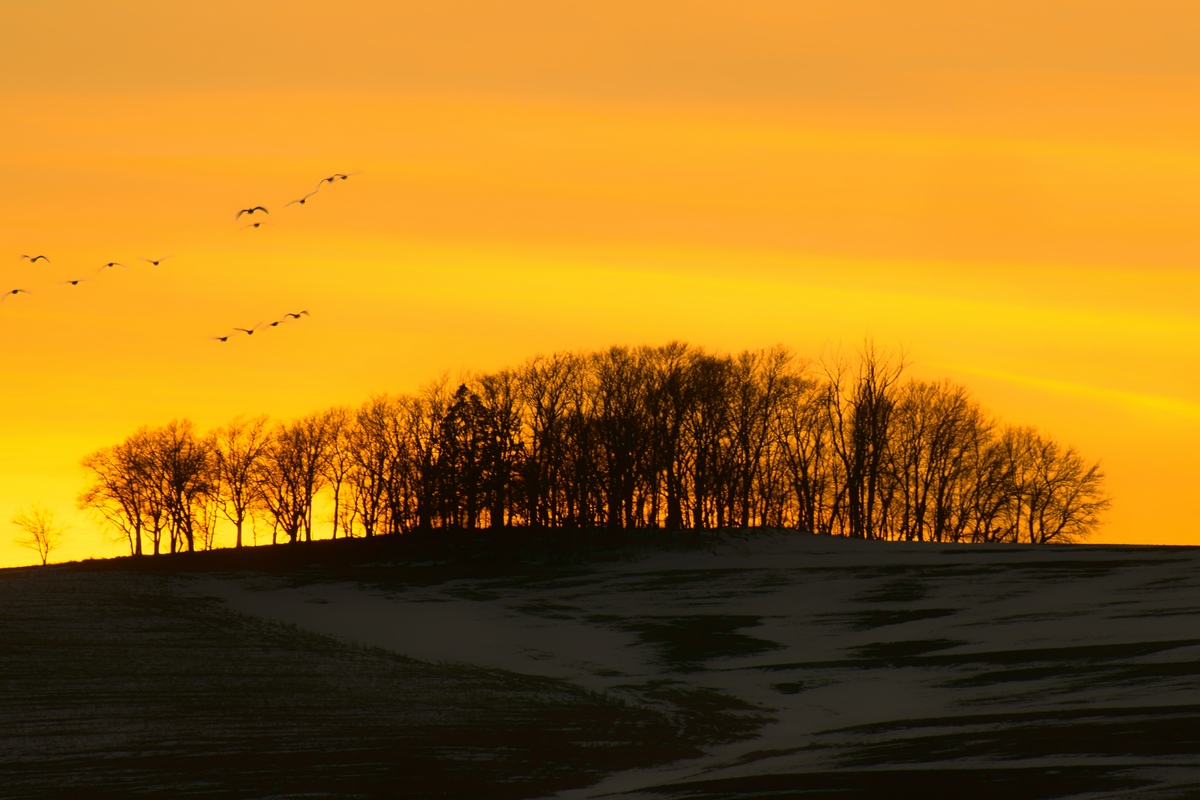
x=860, y=404
x=279, y=479
x=117, y=489
x=316, y=439
x=669, y=396
x=545, y=385
x=181, y=462
x=339, y=460
x=422, y=453
x=128, y=489
x=1058, y=496
x=620, y=384
x=373, y=478
x=503, y=451
x=239, y=446
x=934, y=429
x=807, y=454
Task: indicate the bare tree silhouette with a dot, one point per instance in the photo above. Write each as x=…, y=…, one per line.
x=339, y=462
x=181, y=464
x=239, y=447
x=42, y=533
x=119, y=489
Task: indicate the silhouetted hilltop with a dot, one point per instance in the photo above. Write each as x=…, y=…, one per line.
x=459, y=551
x=626, y=439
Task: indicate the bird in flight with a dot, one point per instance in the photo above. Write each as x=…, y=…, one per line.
x=251, y=211
x=302, y=200
x=249, y=331
x=11, y=292
x=154, y=261
x=111, y=264
x=256, y=225
x=34, y=259
x=224, y=338
x=334, y=178
x=296, y=315
x=75, y=282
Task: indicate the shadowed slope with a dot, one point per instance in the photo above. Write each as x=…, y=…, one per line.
x=115, y=685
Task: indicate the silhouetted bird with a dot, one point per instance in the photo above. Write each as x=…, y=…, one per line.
x=302, y=200
x=334, y=178
x=297, y=315
x=220, y=338
x=11, y=292
x=75, y=282
x=249, y=331
x=111, y=264
x=155, y=261
x=251, y=211
x=34, y=259
x=255, y=225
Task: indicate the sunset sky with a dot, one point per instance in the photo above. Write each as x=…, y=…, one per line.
x=1009, y=191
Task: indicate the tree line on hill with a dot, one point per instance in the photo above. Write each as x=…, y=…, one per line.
x=670, y=437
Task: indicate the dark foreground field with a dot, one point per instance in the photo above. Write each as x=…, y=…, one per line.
x=768, y=665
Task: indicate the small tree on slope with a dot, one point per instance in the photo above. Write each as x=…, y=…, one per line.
x=41, y=532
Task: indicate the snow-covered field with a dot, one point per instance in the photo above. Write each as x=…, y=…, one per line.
x=775, y=664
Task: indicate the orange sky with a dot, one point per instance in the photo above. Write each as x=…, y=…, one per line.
x=1008, y=190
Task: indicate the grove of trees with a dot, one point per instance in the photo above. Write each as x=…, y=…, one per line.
x=650, y=437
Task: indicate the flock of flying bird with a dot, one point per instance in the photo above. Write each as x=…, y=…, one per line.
x=250, y=212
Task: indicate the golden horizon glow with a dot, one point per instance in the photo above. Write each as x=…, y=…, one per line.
x=1008, y=195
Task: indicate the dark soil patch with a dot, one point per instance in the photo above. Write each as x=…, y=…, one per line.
x=870, y=620
x=684, y=642
x=114, y=686
x=978, y=784
x=1124, y=733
